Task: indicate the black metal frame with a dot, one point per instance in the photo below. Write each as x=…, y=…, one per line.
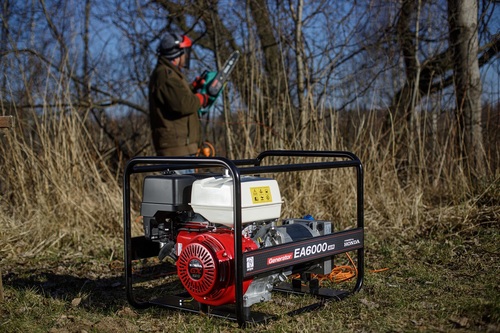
x=235, y=169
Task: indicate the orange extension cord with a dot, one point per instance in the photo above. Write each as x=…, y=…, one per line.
x=341, y=273
x=338, y=273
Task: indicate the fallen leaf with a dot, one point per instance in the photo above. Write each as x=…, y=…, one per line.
x=76, y=301
x=368, y=303
x=127, y=312
x=460, y=321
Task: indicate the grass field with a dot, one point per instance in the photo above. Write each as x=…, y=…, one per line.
x=439, y=281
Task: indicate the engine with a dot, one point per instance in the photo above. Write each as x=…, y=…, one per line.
x=191, y=217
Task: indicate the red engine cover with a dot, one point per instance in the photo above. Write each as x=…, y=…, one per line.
x=205, y=265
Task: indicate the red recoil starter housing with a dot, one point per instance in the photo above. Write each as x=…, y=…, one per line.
x=206, y=265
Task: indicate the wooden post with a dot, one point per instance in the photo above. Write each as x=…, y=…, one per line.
x=5, y=122
x=1, y=288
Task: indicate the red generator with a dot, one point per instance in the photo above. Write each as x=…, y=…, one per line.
x=218, y=240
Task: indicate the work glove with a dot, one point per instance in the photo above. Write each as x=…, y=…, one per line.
x=198, y=83
x=205, y=99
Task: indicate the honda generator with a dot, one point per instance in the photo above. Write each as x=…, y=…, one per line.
x=222, y=238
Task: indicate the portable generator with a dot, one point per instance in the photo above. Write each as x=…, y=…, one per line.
x=225, y=236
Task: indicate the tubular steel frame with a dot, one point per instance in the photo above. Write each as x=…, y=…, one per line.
x=235, y=169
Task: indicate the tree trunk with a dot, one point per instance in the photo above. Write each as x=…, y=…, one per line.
x=270, y=45
x=462, y=18
x=300, y=75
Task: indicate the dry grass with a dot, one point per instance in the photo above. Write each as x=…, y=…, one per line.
x=57, y=191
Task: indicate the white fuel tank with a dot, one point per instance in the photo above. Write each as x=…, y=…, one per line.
x=213, y=198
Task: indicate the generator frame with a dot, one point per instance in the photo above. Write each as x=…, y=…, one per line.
x=139, y=247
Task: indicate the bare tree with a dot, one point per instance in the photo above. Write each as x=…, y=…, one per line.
x=417, y=37
x=462, y=17
x=303, y=63
x=297, y=16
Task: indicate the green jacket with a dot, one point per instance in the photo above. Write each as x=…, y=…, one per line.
x=173, y=112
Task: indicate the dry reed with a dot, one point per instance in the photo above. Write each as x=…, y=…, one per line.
x=57, y=192
x=60, y=192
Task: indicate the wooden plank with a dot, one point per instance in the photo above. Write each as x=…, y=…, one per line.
x=1, y=288
x=6, y=121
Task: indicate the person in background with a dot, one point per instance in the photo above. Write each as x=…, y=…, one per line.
x=173, y=102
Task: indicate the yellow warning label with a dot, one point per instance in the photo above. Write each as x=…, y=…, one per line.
x=261, y=194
